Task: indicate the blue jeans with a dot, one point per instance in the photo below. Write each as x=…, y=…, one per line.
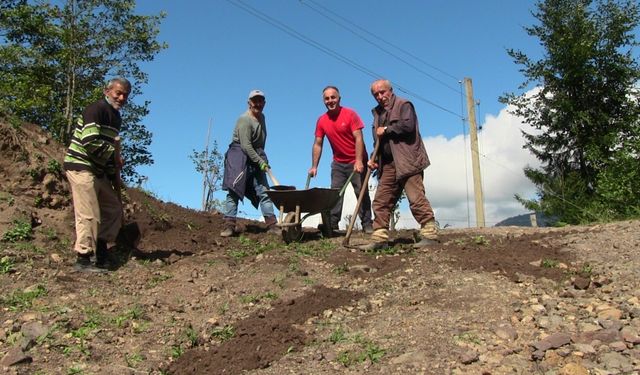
x=259, y=181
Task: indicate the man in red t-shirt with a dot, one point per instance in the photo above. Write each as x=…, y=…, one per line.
x=343, y=128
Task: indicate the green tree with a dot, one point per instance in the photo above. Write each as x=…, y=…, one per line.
x=55, y=60
x=586, y=110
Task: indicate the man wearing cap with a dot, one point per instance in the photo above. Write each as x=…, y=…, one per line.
x=245, y=164
x=343, y=128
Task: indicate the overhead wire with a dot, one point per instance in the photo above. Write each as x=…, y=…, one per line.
x=292, y=32
x=349, y=25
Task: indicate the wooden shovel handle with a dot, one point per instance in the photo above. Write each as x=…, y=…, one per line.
x=272, y=177
x=363, y=190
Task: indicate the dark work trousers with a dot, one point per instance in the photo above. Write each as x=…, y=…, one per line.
x=340, y=172
x=389, y=191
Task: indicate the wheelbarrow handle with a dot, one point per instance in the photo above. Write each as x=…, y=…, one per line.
x=306, y=186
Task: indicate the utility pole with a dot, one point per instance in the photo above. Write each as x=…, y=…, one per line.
x=475, y=154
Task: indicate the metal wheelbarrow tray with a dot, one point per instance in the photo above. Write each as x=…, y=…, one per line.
x=309, y=201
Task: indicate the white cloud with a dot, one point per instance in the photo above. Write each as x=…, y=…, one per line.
x=449, y=179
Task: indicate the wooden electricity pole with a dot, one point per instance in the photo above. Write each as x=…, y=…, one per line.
x=475, y=154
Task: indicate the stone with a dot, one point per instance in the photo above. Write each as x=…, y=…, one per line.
x=14, y=356
x=553, y=341
x=581, y=283
x=469, y=357
x=612, y=314
x=506, y=332
x=573, y=369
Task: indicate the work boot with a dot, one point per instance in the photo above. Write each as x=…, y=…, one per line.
x=230, y=227
x=102, y=255
x=367, y=228
x=272, y=225
x=423, y=243
x=228, y=232
x=379, y=240
x=83, y=264
x=428, y=235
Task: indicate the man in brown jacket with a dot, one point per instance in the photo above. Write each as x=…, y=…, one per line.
x=402, y=159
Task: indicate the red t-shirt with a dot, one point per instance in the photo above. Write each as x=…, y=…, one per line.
x=339, y=131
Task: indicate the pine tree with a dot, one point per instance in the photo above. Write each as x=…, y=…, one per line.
x=585, y=109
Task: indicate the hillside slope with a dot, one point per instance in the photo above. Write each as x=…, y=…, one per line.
x=185, y=301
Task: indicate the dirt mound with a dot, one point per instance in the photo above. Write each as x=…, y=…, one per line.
x=186, y=301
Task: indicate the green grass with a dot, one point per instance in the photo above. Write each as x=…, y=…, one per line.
x=21, y=231
x=549, y=263
x=23, y=299
x=365, y=349
x=224, y=333
x=6, y=265
x=338, y=335
x=469, y=337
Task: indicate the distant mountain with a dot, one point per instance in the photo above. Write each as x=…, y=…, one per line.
x=524, y=220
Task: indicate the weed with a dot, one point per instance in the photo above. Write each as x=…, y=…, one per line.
x=38, y=201
x=341, y=269
x=372, y=352
x=54, y=167
x=192, y=336
x=35, y=174
x=480, y=240
x=7, y=198
x=468, y=337
x=549, y=263
x=459, y=242
x=75, y=370
x=50, y=233
x=224, y=333
x=21, y=231
x=20, y=300
x=237, y=254
x=134, y=313
x=249, y=299
x=368, y=350
x=6, y=265
x=338, y=335
x=224, y=308
x=279, y=280
x=176, y=351
x=270, y=295
x=346, y=358
x=28, y=247
x=134, y=359
x=586, y=270
x=157, y=279
x=308, y=281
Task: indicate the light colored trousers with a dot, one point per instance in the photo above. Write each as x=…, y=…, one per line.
x=97, y=209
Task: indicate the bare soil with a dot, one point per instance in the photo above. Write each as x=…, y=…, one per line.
x=185, y=301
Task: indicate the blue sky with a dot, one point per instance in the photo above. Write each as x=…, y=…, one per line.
x=218, y=52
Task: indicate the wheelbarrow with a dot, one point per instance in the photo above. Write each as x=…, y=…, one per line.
x=292, y=203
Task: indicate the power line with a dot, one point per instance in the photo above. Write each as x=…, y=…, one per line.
x=288, y=30
x=350, y=29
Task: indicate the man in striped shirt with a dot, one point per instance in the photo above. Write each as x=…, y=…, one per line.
x=92, y=167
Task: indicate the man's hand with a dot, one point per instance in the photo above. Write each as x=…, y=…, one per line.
x=380, y=131
x=264, y=166
x=372, y=165
x=313, y=171
x=358, y=166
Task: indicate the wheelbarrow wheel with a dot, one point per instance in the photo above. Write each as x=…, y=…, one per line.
x=291, y=233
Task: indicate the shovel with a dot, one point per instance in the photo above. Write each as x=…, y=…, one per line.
x=129, y=234
x=276, y=184
x=363, y=191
